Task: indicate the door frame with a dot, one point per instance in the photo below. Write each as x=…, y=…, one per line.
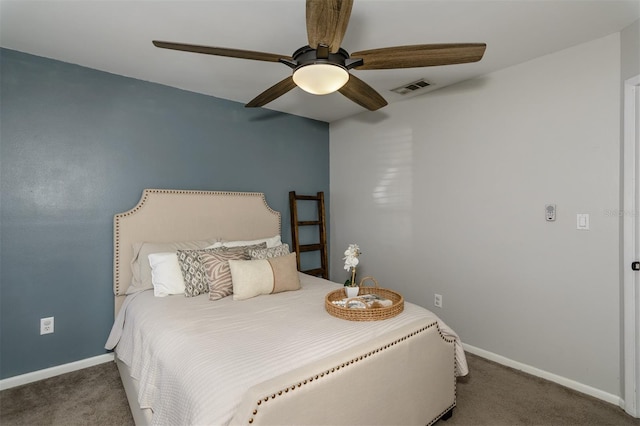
x=630, y=231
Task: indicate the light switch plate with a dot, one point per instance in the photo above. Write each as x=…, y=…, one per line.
x=582, y=221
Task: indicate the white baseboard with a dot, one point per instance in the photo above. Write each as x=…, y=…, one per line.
x=34, y=376
x=571, y=384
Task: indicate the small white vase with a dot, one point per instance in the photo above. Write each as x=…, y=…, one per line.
x=352, y=291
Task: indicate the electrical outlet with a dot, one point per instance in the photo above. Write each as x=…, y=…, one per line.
x=46, y=325
x=437, y=300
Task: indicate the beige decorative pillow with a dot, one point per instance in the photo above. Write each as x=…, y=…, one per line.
x=268, y=253
x=265, y=276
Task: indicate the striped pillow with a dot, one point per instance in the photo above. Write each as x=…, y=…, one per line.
x=215, y=265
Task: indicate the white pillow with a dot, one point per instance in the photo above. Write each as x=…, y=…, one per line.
x=166, y=275
x=271, y=242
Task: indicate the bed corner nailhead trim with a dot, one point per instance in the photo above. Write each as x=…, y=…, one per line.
x=451, y=407
x=351, y=362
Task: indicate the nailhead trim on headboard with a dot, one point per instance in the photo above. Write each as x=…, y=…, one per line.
x=141, y=204
x=346, y=364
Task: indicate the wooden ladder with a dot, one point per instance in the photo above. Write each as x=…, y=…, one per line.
x=321, y=246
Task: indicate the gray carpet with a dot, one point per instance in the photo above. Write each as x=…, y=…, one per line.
x=490, y=395
x=93, y=396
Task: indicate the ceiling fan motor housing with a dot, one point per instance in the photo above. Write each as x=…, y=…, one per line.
x=307, y=55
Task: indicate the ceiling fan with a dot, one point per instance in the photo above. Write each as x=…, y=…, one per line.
x=322, y=66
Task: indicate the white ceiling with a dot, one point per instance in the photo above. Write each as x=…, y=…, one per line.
x=115, y=36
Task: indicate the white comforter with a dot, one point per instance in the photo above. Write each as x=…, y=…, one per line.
x=195, y=359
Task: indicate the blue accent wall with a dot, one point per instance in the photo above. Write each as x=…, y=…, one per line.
x=79, y=145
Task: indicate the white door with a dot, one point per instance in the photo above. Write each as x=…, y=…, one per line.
x=631, y=236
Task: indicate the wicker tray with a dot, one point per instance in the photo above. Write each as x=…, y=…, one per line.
x=370, y=314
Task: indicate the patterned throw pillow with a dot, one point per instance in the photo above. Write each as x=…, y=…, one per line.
x=217, y=273
x=268, y=253
x=193, y=271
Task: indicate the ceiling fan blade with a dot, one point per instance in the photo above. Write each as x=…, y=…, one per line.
x=221, y=51
x=420, y=55
x=327, y=22
x=362, y=94
x=272, y=93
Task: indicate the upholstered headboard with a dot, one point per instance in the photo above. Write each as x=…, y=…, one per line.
x=169, y=215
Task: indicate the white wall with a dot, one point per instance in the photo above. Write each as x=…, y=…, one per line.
x=445, y=194
x=630, y=46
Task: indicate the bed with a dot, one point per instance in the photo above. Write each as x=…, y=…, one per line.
x=272, y=359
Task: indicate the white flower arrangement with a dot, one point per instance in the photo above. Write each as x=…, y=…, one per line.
x=350, y=262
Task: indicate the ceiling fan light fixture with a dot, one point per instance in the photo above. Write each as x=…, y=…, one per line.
x=320, y=78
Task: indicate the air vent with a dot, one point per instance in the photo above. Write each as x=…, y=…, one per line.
x=412, y=87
